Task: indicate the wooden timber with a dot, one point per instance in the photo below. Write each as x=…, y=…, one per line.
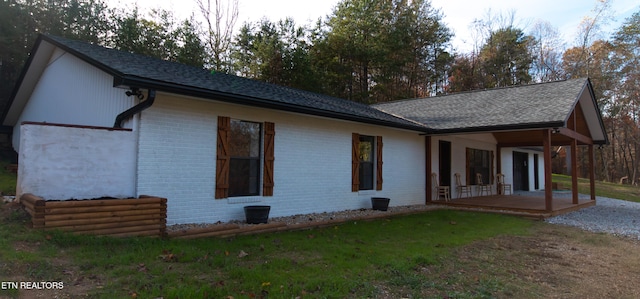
x=528, y=205
x=144, y=216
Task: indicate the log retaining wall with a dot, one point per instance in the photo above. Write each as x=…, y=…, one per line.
x=144, y=216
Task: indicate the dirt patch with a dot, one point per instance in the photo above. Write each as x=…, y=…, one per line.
x=8, y=209
x=554, y=262
x=589, y=265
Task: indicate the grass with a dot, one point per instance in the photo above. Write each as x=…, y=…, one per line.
x=353, y=260
x=410, y=256
x=611, y=190
x=337, y=262
x=8, y=179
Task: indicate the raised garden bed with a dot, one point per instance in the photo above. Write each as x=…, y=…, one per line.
x=144, y=216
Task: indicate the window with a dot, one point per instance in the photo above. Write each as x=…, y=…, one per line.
x=366, y=161
x=244, y=164
x=365, y=156
x=239, y=157
x=479, y=161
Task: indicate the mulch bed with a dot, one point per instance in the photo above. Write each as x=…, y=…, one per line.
x=295, y=222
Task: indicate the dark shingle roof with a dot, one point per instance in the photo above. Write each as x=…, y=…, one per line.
x=145, y=72
x=528, y=106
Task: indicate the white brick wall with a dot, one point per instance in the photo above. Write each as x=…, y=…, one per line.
x=58, y=163
x=312, y=169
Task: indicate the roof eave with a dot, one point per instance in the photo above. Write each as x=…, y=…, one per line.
x=20, y=80
x=123, y=81
x=505, y=128
x=32, y=54
x=589, y=87
x=501, y=128
x=103, y=67
x=598, y=113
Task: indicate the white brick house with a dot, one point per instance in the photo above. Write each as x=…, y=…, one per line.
x=74, y=89
x=213, y=143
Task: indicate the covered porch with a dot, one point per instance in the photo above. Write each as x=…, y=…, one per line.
x=522, y=203
x=546, y=201
x=576, y=123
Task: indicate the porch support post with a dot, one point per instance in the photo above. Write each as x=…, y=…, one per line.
x=574, y=171
x=592, y=174
x=548, y=192
x=427, y=170
x=498, y=158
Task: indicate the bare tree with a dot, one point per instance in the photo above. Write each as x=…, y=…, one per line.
x=481, y=29
x=547, y=50
x=589, y=29
x=221, y=18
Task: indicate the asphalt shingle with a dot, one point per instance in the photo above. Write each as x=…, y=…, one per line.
x=521, y=106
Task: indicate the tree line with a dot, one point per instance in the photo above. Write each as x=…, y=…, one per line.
x=367, y=51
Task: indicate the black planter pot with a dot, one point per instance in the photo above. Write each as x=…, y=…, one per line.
x=380, y=203
x=257, y=214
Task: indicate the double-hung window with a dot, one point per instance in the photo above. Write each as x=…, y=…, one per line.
x=244, y=166
x=244, y=158
x=366, y=162
x=366, y=150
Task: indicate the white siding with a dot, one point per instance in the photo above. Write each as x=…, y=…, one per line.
x=71, y=91
x=312, y=169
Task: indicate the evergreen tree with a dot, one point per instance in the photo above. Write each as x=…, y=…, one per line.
x=21, y=21
x=381, y=50
x=505, y=58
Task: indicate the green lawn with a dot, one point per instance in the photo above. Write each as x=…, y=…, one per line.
x=353, y=260
x=8, y=179
x=611, y=190
x=361, y=259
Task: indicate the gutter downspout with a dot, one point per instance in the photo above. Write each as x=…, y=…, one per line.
x=151, y=96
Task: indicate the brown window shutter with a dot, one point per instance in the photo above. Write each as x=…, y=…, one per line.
x=355, y=162
x=269, y=136
x=379, y=163
x=222, y=157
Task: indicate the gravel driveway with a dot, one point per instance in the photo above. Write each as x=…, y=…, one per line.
x=609, y=215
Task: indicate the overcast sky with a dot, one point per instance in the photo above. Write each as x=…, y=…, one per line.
x=565, y=15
